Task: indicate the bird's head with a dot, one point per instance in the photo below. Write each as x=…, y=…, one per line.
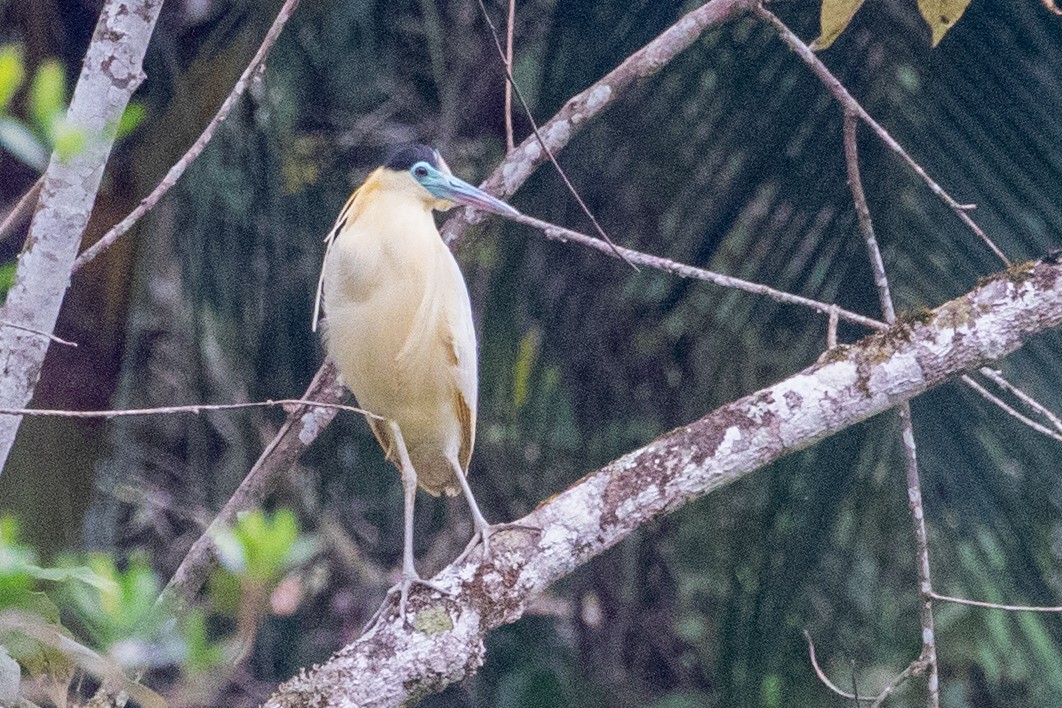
x=422, y=172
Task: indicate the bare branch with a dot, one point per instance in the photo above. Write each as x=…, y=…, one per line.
x=178, y=169
x=850, y=104
x=992, y=398
x=22, y=210
x=47, y=335
x=510, y=26
x=928, y=657
x=111, y=72
x=826, y=679
x=914, y=486
x=393, y=664
x=866, y=224
x=687, y=271
x=298, y=431
x=995, y=606
x=558, y=131
x=915, y=668
x=196, y=408
x=996, y=377
x=507, y=66
x=831, y=328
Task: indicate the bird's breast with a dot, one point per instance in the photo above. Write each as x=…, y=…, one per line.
x=399, y=323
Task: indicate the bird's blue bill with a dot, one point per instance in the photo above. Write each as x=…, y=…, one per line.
x=458, y=191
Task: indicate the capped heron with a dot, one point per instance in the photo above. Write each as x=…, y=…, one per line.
x=399, y=328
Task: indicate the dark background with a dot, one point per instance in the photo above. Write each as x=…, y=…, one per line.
x=730, y=158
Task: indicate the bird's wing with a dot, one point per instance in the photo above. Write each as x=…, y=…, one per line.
x=467, y=419
x=460, y=336
x=445, y=313
x=347, y=215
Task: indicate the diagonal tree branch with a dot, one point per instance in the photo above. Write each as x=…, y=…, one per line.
x=111, y=72
x=393, y=665
x=558, y=131
x=254, y=68
x=295, y=435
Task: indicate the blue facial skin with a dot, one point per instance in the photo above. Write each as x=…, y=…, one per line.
x=450, y=188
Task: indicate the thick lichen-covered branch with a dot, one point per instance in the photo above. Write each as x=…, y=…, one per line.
x=392, y=664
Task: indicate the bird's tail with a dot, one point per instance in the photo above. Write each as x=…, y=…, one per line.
x=435, y=473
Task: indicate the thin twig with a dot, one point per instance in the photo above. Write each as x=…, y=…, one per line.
x=850, y=104
x=866, y=224
x=198, y=146
x=996, y=377
x=22, y=210
x=687, y=271
x=581, y=109
x=510, y=25
x=49, y=335
x=928, y=657
x=992, y=398
x=915, y=668
x=195, y=408
x=914, y=485
x=855, y=684
x=542, y=142
x=826, y=679
x=831, y=329
x=295, y=434
x=995, y=606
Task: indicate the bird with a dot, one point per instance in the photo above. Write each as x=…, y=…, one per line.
x=398, y=325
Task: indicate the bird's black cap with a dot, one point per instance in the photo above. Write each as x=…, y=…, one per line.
x=410, y=155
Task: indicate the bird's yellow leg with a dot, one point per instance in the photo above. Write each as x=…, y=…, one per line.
x=410, y=577
x=483, y=529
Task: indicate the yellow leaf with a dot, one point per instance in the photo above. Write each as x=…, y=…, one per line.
x=834, y=17
x=941, y=15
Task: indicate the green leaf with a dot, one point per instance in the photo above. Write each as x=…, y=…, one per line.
x=119, y=606
x=35, y=657
x=201, y=655
x=131, y=118
x=834, y=16
x=12, y=73
x=20, y=141
x=37, y=603
x=261, y=547
x=82, y=573
x=67, y=140
x=47, y=97
x=7, y=276
x=941, y=15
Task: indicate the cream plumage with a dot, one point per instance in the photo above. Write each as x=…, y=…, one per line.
x=399, y=327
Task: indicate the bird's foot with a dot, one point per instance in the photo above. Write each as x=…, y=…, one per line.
x=483, y=534
x=402, y=589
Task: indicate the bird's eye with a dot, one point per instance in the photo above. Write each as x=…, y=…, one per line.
x=420, y=171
